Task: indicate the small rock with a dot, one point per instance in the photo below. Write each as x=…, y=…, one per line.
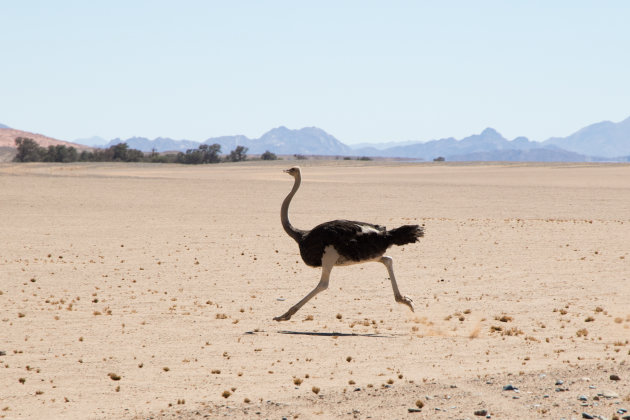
x=510, y=387
x=561, y=389
x=357, y=389
x=414, y=410
x=3, y=353
x=559, y=382
x=622, y=411
x=614, y=377
x=625, y=418
x=609, y=394
x=587, y=416
x=583, y=398
x=481, y=413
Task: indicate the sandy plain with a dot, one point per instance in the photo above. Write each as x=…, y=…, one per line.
x=148, y=291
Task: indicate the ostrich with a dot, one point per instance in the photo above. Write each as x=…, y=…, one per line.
x=343, y=242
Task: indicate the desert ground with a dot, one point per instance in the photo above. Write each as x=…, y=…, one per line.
x=134, y=291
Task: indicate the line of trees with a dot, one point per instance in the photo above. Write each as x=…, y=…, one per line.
x=29, y=151
x=210, y=153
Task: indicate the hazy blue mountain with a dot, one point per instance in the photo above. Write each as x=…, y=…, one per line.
x=94, y=141
x=307, y=141
x=4, y=126
x=488, y=141
x=281, y=140
x=159, y=144
x=605, y=139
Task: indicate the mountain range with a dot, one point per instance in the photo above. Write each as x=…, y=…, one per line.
x=603, y=141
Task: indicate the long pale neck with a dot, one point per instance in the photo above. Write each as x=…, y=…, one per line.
x=284, y=211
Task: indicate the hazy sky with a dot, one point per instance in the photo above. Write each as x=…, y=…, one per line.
x=361, y=70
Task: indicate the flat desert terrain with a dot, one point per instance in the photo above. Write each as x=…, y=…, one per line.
x=134, y=291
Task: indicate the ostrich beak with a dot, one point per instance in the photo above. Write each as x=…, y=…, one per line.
x=286, y=171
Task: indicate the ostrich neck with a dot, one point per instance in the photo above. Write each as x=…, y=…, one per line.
x=284, y=212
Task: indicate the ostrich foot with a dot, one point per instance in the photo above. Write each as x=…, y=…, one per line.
x=406, y=300
x=284, y=317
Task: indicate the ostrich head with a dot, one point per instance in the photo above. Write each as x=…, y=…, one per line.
x=294, y=172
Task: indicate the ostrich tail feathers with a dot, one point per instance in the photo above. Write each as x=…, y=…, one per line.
x=406, y=234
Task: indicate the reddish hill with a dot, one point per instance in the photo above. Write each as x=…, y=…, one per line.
x=8, y=136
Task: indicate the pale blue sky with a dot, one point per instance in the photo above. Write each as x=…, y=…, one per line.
x=361, y=70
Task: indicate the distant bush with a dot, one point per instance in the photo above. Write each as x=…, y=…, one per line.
x=364, y=158
x=28, y=150
x=268, y=156
x=239, y=154
x=439, y=159
x=204, y=154
x=299, y=157
x=61, y=153
x=117, y=153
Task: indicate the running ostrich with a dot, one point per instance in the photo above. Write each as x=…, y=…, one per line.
x=343, y=242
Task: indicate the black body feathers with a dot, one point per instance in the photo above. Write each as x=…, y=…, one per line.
x=354, y=241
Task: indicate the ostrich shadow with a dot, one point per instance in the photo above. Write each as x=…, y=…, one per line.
x=328, y=334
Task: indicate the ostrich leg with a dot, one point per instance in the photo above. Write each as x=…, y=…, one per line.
x=329, y=259
x=388, y=262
